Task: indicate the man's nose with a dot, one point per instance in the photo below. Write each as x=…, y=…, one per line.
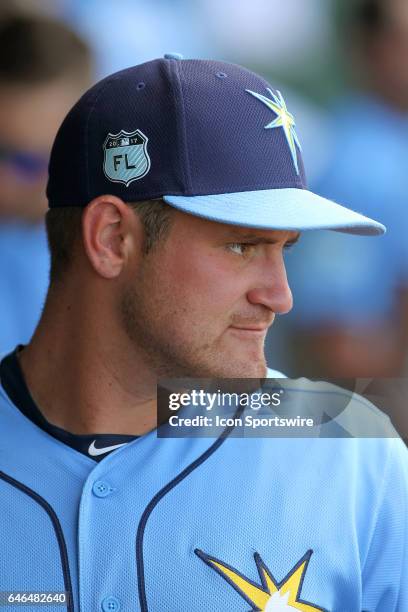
x=272, y=288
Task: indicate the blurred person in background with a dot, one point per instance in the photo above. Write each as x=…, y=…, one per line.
x=44, y=67
x=353, y=319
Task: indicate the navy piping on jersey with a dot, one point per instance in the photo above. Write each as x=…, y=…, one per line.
x=58, y=532
x=158, y=497
x=12, y=380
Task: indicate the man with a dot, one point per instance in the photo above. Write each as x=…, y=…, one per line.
x=174, y=188
x=44, y=68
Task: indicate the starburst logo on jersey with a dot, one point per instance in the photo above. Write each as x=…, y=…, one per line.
x=125, y=156
x=284, y=119
x=269, y=596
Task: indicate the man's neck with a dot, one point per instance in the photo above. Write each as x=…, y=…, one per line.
x=84, y=384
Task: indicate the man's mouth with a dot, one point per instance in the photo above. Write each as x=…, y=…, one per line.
x=250, y=331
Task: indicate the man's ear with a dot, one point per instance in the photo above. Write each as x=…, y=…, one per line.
x=112, y=234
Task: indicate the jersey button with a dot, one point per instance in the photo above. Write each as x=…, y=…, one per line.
x=110, y=604
x=101, y=488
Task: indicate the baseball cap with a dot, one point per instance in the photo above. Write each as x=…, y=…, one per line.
x=210, y=138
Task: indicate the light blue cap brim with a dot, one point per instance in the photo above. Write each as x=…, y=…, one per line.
x=277, y=209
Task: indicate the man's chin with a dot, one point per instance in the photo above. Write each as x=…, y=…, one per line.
x=236, y=370
x=223, y=362
x=228, y=362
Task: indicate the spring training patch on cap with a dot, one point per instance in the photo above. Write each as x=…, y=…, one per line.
x=125, y=157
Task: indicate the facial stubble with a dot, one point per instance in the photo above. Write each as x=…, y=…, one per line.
x=151, y=321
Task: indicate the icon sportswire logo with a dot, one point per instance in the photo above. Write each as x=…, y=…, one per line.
x=94, y=452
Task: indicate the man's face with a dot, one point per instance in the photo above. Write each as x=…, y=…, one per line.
x=205, y=297
x=29, y=119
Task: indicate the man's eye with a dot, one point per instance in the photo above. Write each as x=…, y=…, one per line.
x=240, y=248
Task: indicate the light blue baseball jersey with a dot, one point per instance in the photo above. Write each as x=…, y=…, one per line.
x=203, y=524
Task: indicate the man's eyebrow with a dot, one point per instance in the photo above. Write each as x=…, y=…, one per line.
x=256, y=239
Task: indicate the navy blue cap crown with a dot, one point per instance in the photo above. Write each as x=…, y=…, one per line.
x=171, y=126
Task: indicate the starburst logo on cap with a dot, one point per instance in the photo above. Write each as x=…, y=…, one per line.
x=270, y=596
x=284, y=120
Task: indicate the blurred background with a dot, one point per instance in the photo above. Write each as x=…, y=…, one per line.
x=342, y=66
